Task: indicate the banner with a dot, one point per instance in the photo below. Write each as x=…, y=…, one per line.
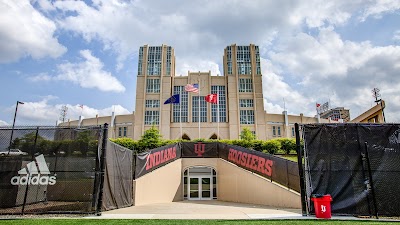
x=156, y=158
x=272, y=167
x=199, y=150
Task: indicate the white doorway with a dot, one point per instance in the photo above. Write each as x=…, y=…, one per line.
x=200, y=183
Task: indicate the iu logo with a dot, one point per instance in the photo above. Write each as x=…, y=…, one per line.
x=323, y=208
x=199, y=149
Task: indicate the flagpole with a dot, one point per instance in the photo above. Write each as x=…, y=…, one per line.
x=180, y=111
x=218, y=115
x=199, y=108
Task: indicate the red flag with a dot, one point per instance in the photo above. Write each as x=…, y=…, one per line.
x=212, y=98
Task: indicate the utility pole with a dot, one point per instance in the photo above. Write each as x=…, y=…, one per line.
x=376, y=95
x=63, y=113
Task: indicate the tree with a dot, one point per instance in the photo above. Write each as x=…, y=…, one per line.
x=150, y=139
x=247, y=135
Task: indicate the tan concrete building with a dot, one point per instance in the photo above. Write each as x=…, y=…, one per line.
x=240, y=98
x=373, y=115
x=339, y=114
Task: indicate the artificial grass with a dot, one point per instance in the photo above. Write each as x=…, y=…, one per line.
x=188, y=222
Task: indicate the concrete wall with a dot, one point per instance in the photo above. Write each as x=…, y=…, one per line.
x=160, y=186
x=238, y=185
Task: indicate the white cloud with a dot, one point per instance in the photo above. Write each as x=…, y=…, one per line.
x=327, y=68
x=197, y=65
x=88, y=74
x=377, y=8
x=3, y=123
x=25, y=32
x=42, y=112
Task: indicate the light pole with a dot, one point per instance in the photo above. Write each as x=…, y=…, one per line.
x=12, y=130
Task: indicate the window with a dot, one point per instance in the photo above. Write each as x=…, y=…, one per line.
x=245, y=85
x=122, y=131
x=180, y=111
x=273, y=130
x=152, y=103
x=153, y=86
x=246, y=116
x=140, y=64
x=220, y=90
x=293, y=133
x=229, y=59
x=195, y=109
x=151, y=117
x=243, y=60
x=246, y=103
x=154, y=61
x=279, y=131
x=168, y=63
x=258, y=67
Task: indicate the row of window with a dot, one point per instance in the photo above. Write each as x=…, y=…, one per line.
x=245, y=85
x=154, y=61
x=276, y=131
x=243, y=60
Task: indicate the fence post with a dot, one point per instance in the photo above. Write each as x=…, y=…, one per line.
x=102, y=168
x=33, y=150
x=371, y=183
x=301, y=172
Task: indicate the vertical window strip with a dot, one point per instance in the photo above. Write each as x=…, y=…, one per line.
x=154, y=61
x=220, y=90
x=243, y=60
x=180, y=111
x=140, y=64
x=169, y=50
x=258, y=64
x=195, y=109
x=229, y=59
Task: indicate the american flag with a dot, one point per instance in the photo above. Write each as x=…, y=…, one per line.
x=192, y=88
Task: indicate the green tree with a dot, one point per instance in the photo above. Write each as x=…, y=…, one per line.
x=150, y=139
x=247, y=135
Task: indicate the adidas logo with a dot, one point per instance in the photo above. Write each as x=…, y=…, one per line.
x=37, y=174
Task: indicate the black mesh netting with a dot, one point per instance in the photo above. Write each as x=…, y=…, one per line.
x=49, y=169
x=357, y=164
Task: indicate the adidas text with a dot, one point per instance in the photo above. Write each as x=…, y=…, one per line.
x=33, y=180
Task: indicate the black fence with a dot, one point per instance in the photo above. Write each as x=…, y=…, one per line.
x=51, y=169
x=279, y=170
x=357, y=164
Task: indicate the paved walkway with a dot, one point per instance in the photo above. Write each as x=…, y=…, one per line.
x=200, y=210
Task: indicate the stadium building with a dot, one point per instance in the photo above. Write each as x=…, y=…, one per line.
x=239, y=91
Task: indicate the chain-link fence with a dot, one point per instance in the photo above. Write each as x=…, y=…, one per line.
x=50, y=169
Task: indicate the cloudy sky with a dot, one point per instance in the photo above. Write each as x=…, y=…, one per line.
x=72, y=53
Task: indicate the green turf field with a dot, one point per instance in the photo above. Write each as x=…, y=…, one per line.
x=188, y=222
